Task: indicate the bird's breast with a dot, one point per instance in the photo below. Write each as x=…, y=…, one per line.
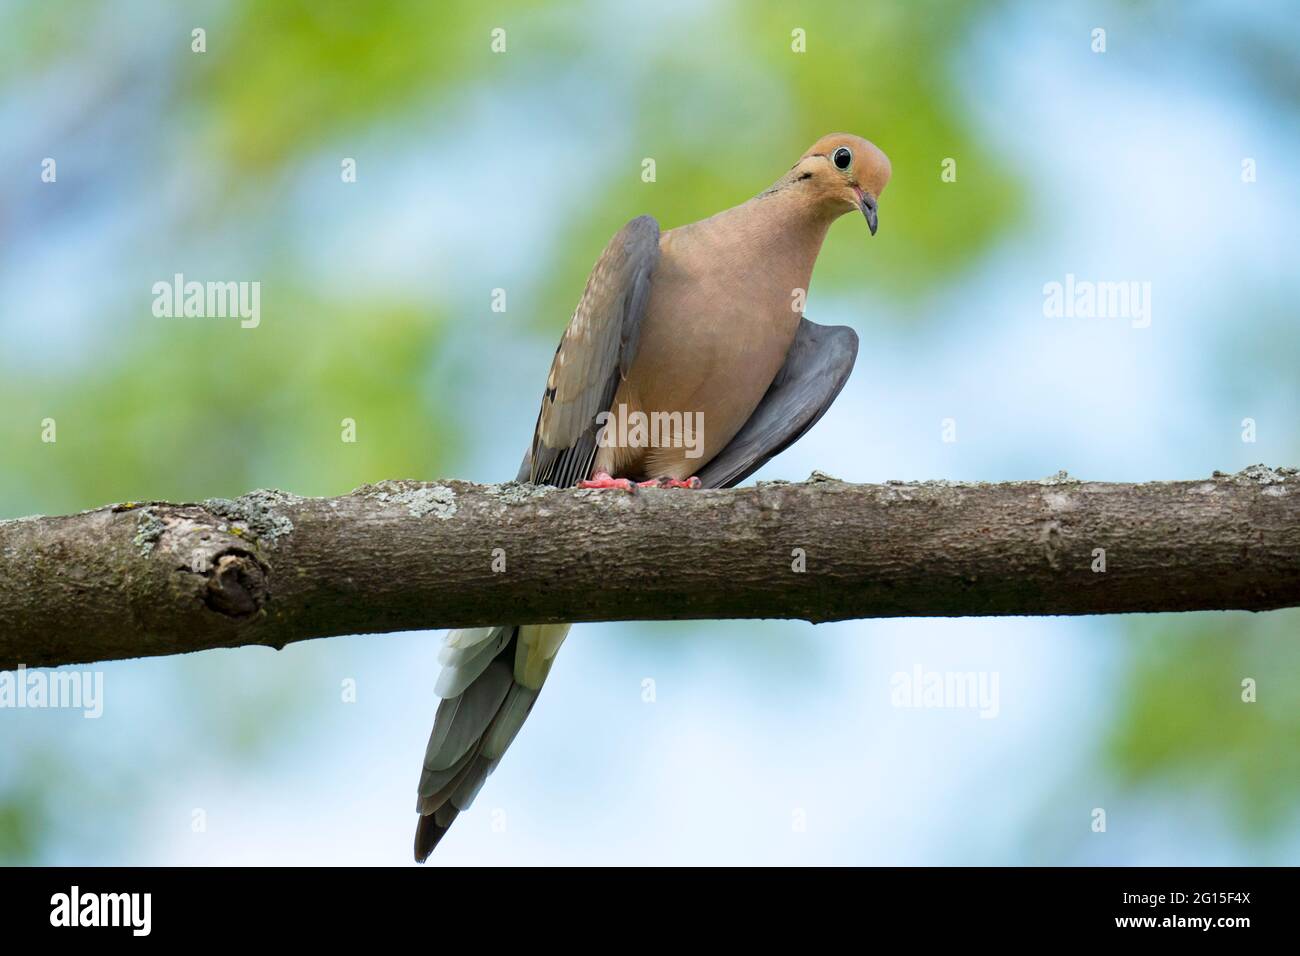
x=717, y=329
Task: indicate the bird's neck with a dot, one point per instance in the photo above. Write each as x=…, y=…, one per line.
x=785, y=225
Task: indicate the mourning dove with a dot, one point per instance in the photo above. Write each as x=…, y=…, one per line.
x=704, y=323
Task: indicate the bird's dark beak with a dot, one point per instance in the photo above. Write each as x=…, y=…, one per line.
x=868, y=205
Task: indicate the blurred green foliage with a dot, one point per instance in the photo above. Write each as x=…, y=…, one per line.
x=1184, y=722
x=300, y=71
x=201, y=409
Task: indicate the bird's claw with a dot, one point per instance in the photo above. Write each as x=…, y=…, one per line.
x=691, y=482
x=602, y=479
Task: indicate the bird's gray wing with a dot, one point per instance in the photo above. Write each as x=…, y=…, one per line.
x=594, y=354
x=816, y=368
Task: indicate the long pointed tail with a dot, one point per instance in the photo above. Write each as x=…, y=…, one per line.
x=490, y=680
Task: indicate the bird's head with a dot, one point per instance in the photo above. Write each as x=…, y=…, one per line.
x=844, y=172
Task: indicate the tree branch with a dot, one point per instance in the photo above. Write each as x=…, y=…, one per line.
x=270, y=568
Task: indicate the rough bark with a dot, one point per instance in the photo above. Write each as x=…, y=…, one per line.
x=141, y=579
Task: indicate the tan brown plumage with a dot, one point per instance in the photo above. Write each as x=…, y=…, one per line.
x=701, y=319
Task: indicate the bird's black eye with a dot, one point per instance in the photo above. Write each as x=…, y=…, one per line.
x=842, y=157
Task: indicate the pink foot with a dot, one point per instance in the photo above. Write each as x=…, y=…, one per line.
x=691, y=482
x=602, y=479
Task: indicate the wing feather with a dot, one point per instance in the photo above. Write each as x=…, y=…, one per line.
x=594, y=353
x=816, y=368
